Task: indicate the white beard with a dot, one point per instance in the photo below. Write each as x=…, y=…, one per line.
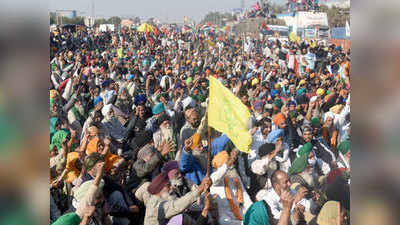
x=108, y=118
x=80, y=109
x=166, y=133
x=177, y=182
x=308, y=178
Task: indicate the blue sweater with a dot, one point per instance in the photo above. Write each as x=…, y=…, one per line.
x=191, y=168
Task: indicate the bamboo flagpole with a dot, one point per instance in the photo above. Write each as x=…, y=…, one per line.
x=209, y=151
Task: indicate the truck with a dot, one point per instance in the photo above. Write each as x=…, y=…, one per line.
x=308, y=24
x=311, y=25
x=276, y=32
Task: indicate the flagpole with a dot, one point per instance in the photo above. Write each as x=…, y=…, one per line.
x=209, y=151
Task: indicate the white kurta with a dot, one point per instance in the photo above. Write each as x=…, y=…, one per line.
x=225, y=214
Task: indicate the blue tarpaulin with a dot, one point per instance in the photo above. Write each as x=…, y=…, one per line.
x=339, y=33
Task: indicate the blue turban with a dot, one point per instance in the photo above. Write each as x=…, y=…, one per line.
x=292, y=103
x=159, y=108
x=258, y=104
x=139, y=99
x=96, y=100
x=274, y=92
x=249, y=75
x=105, y=83
x=274, y=135
x=178, y=85
x=130, y=76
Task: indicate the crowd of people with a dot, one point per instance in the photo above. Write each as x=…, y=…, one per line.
x=129, y=140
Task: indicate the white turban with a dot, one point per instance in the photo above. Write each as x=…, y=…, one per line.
x=329, y=114
x=106, y=109
x=313, y=98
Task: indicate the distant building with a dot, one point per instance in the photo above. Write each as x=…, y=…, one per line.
x=337, y=3
x=66, y=13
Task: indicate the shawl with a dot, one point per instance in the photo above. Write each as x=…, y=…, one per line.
x=234, y=207
x=257, y=214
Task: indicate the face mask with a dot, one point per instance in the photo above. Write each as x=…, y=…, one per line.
x=312, y=161
x=177, y=182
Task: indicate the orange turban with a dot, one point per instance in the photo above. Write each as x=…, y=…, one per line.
x=195, y=140
x=278, y=119
x=208, y=71
x=92, y=146
x=220, y=159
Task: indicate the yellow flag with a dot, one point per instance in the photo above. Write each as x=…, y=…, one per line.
x=120, y=52
x=227, y=114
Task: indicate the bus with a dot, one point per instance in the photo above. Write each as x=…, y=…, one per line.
x=276, y=32
x=317, y=32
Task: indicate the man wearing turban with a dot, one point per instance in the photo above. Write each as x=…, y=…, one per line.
x=232, y=200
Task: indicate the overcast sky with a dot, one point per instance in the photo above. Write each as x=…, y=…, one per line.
x=164, y=10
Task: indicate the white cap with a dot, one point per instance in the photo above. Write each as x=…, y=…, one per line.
x=313, y=98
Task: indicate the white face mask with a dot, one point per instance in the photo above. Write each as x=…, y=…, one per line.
x=176, y=182
x=312, y=161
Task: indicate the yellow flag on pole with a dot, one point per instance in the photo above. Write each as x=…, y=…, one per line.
x=227, y=114
x=120, y=52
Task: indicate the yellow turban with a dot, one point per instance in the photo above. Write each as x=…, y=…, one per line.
x=53, y=93
x=329, y=214
x=320, y=91
x=336, y=109
x=220, y=159
x=254, y=82
x=277, y=86
x=302, y=82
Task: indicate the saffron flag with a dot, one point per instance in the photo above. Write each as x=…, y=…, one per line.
x=227, y=114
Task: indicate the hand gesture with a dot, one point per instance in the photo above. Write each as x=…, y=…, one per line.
x=64, y=143
x=232, y=158
x=99, y=106
x=253, y=130
x=89, y=211
x=134, y=209
x=100, y=168
x=165, y=147
x=278, y=145
x=107, y=141
x=286, y=199
x=299, y=212
x=207, y=200
x=312, y=105
x=316, y=196
x=73, y=133
x=205, y=184
x=300, y=194
x=188, y=143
